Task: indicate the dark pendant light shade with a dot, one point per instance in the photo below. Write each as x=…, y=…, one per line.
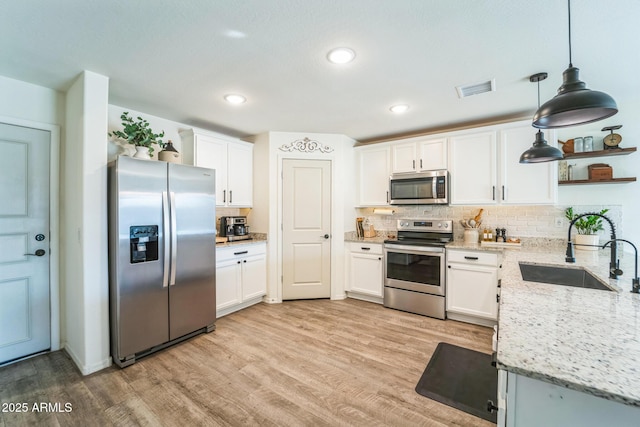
x=574, y=104
x=540, y=151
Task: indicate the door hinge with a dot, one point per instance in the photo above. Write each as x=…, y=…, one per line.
x=281, y=279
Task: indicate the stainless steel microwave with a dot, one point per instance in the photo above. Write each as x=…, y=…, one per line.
x=421, y=188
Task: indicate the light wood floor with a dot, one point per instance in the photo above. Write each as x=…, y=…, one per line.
x=300, y=363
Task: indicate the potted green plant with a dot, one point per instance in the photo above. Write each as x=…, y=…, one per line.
x=139, y=134
x=587, y=228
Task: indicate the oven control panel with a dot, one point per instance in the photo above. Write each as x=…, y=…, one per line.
x=420, y=224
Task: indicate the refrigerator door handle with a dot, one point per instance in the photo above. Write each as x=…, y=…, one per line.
x=174, y=238
x=165, y=238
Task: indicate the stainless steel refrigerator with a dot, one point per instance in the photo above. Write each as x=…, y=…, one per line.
x=162, y=230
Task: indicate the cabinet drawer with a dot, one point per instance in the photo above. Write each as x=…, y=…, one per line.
x=240, y=251
x=473, y=257
x=365, y=247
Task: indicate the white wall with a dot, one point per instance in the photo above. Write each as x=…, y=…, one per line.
x=85, y=223
x=30, y=102
x=626, y=195
x=267, y=199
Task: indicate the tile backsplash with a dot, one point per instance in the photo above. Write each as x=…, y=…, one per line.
x=520, y=221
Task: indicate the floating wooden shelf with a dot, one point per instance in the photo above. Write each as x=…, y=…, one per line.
x=590, y=181
x=601, y=153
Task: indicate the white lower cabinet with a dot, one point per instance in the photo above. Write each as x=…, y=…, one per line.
x=472, y=286
x=241, y=276
x=365, y=271
x=528, y=402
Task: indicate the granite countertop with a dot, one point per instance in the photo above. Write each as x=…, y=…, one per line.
x=583, y=339
x=255, y=238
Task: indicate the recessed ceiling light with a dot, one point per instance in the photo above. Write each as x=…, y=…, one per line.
x=341, y=55
x=399, y=109
x=235, y=99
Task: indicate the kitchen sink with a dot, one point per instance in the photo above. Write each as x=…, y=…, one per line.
x=555, y=275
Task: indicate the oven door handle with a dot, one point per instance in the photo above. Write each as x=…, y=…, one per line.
x=437, y=251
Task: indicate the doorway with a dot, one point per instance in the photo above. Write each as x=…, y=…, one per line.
x=306, y=229
x=25, y=236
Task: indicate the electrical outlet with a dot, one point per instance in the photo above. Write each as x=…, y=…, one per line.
x=559, y=222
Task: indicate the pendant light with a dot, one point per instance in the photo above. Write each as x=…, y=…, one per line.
x=574, y=104
x=540, y=151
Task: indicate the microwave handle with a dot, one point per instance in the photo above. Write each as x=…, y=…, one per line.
x=434, y=187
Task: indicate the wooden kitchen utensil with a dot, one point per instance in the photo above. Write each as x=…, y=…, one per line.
x=478, y=217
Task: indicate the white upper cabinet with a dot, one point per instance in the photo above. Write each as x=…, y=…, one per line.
x=485, y=167
x=473, y=169
x=374, y=164
x=433, y=154
x=526, y=183
x=232, y=160
x=240, y=175
x=417, y=155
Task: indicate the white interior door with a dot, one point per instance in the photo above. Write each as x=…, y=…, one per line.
x=24, y=242
x=306, y=229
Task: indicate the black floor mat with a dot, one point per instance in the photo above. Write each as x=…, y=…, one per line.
x=461, y=378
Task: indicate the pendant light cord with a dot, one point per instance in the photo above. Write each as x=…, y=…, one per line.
x=569, y=7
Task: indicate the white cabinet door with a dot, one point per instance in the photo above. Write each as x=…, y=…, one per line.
x=403, y=158
x=472, y=290
x=254, y=277
x=366, y=273
x=473, y=169
x=432, y=154
x=529, y=183
x=212, y=153
x=228, y=276
x=240, y=175
x=373, y=179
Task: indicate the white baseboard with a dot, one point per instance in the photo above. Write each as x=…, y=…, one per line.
x=87, y=369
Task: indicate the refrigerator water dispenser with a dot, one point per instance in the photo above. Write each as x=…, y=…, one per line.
x=143, y=243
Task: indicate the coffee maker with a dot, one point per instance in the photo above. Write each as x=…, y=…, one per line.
x=234, y=228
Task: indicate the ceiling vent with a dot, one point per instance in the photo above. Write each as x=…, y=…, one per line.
x=476, y=88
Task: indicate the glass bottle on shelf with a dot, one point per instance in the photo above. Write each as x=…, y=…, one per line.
x=578, y=145
x=588, y=143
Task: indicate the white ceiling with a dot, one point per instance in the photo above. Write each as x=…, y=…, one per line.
x=176, y=59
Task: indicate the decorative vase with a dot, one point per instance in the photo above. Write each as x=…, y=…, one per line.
x=592, y=240
x=142, y=153
x=170, y=154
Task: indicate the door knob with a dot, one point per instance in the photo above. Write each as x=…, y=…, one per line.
x=326, y=236
x=39, y=252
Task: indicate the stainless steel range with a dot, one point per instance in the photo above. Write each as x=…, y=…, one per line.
x=414, y=271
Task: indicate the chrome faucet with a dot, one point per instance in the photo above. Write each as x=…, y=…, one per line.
x=614, y=271
x=635, y=282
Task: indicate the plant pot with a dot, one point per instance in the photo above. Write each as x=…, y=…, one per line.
x=587, y=239
x=142, y=153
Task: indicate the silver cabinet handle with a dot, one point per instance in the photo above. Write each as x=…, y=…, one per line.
x=420, y=163
x=494, y=192
x=503, y=192
x=414, y=165
x=224, y=196
x=240, y=253
x=230, y=196
x=39, y=252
